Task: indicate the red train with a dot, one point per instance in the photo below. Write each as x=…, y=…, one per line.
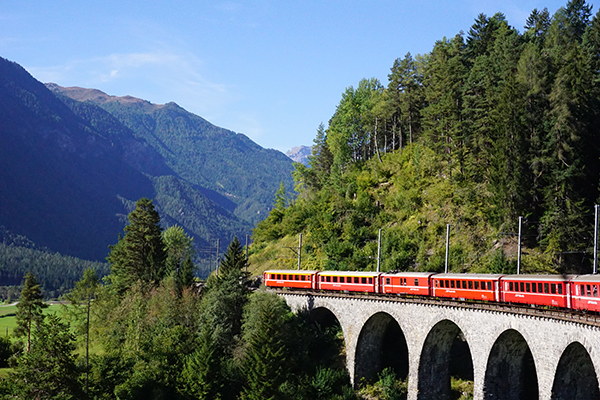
x=579, y=292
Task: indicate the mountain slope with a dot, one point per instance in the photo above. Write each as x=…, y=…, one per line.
x=70, y=172
x=225, y=162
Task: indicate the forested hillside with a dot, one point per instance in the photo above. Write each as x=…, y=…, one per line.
x=490, y=125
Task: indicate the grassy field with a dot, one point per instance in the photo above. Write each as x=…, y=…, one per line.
x=8, y=321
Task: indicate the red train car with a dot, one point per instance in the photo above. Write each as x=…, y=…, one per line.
x=290, y=278
x=466, y=286
x=417, y=283
x=584, y=292
x=545, y=290
x=363, y=281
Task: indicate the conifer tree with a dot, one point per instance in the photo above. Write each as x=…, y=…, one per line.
x=266, y=332
x=140, y=254
x=48, y=370
x=29, y=309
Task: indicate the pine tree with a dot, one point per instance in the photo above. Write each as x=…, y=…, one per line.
x=48, y=370
x=266, y=332
x=140, y=254
x=29, y=309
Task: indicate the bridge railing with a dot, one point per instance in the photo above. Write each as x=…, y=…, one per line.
x=566, y=315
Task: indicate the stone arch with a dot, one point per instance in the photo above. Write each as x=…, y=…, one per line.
x=510, y=372
x=381, y=344
x=330, y=347
x=442, y=344
x=575, y=375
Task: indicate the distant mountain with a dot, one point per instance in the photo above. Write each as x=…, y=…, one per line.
x=300, y=154
x=226, y=163
x=70, y=170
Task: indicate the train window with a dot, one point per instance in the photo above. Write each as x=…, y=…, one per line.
x=437, y=283
x=522, y=285
x=470, y=284
x=589, y=291
x=540, y=287
x=342, y=279
x=452, y=284
x=363, y=280
x=510, y=284
x=595, y=291
x=546, y=288
x=278, y=276
x=457, y=284
x=297, y=278
x=528, y=287
x=356, y=279
x=553, y=288
x=476, y=285
x=370, y=281
x=560, y=285
x=416, y=282
x=533, y=287
x=387, y=281
x=464, y=284
x=335, y=279
x=483, y=285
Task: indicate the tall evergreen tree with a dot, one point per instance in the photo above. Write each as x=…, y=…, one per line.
x=140, y=254
x=29, y=309
x=266, y=332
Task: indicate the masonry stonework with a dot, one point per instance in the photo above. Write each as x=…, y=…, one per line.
x=508, y=350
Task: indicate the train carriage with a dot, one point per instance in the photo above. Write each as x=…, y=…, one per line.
x=584, y=292
x=545, y=290
x=415, y=283
x=298, y=279
x=363, y=281
x=467, y=286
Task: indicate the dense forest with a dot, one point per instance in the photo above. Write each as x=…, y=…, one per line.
x=491, y=125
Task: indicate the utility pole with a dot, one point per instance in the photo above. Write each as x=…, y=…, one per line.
x=379, y=251
x=246, y=262
x=300, y=252
x=447, y=246
x=519, y=248
x=596, y=240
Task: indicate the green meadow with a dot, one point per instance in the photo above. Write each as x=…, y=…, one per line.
x=8, y=317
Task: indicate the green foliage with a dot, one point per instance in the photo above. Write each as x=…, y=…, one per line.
x=266, y=331
x=29, y=309
x=56, y=273
x=48, y=370
x=179, y=248
x=140, y=254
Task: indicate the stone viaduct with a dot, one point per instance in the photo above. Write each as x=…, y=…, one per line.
x=508, y=354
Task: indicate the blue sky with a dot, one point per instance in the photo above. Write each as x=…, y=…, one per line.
x=273, y=70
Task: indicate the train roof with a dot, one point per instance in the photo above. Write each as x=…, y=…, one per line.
x=349, y=273
x=585, y=278
x=527, y=277
x=289, y=271
x=467, y=276
x=418, y=274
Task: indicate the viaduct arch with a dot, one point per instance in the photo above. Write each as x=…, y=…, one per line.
x=513, y=356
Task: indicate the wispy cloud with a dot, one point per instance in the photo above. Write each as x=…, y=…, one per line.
x=166, y=75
